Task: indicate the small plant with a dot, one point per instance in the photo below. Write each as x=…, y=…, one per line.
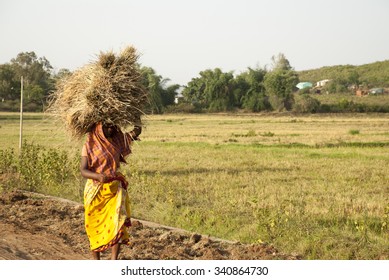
x=268, y=134
x=385, y=220
x=251, y=133
x=353, y=131
x=7, y=160
x=39, y=169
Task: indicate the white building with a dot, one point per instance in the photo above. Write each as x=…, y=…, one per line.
x=178, y=97
x=322, y=83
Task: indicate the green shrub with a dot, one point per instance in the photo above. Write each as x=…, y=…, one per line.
x=354, y=131
x=10, y=106
x=38, y=169
x=7, y=162
x=268, y=134
x=183, y=108
x=306, y=104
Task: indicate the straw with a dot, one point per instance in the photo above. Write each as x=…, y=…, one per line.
x=108, y=90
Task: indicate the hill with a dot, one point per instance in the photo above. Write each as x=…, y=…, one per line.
x=372, y=75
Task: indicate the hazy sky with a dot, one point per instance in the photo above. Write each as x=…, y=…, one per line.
x=181, y=38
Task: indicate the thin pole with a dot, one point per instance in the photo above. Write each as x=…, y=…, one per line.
x=21, y=114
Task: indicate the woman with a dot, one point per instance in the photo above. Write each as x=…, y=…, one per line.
x=106, y=201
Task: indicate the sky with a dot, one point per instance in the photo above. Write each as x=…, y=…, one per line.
x=178, y=39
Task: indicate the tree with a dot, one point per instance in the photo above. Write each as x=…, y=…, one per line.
x=353, y=78
x=254, y=98
x=280, y=83
x=280, y=62
x=218, y=90
x=36, y=74
x=240, y=89
x=168, y=94
x=35, y=71
x=62, y=73
x=194, y=92
x=160, y=95
x=213, y=90
x=9, y=85
x=152, y=83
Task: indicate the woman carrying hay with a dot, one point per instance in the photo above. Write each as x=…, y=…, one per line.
x=106, y=200
x=107, y=91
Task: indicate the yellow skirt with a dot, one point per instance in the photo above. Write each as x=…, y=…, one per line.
x=107, y=214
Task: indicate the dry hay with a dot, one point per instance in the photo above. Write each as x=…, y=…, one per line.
x=108, y=90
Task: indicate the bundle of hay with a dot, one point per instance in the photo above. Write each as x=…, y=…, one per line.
x=108, y=90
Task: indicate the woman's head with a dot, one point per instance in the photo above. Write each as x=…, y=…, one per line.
x=110, y=130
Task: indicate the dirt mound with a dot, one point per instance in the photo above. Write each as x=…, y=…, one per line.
x=40, y=227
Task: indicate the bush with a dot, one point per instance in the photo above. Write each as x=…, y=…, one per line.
x=306, y=104
x=183, y=108
x=325, y=108
x=304, y=91
x=257, y=102
x=37, y=169
x=353, y=131
x=14, y=106
x=7, y=163
x=10, y=106
x=33, y=107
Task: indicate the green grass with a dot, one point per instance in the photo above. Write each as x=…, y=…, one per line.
x=283, y=196
x=354, y=131
x=369, y=100
x=303, y=183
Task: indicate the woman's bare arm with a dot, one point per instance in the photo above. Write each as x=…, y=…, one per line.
x=86, y=173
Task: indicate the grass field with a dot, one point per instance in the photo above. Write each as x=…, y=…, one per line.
x=368, y=100
x=313, y=185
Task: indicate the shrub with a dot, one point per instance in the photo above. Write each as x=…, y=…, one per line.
x=39, y=169
x=183, y=108
x=306, y=104
x=7, y=163
x=10, y=106
x=354, y=131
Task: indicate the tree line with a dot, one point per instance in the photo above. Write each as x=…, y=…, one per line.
x=254, y=90
x=37, y=76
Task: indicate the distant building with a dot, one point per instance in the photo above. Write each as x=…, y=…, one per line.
x=361, y=92
x=178, y=97
x=376, y=91
x=303, y=85
x=322, y=83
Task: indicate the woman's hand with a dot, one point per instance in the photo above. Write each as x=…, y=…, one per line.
x=103, y=178
x=136, y=132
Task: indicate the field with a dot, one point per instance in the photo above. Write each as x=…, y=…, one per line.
x=367, y=101
x=311, y=185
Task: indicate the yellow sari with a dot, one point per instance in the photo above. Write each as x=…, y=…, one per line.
x=107, y=213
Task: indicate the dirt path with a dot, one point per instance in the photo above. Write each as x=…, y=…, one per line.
x=40, y=227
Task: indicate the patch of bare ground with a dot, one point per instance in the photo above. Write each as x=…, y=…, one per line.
x=38, y=227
